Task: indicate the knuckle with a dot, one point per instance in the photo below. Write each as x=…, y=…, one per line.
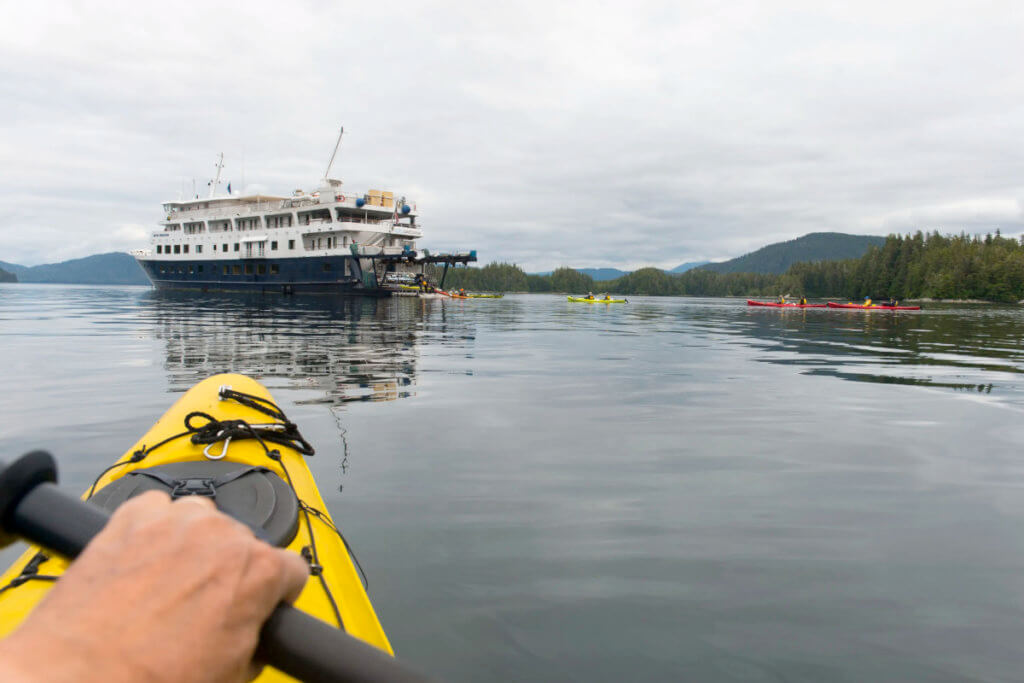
x=138, y=508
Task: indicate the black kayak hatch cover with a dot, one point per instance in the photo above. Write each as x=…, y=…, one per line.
x=255, y=496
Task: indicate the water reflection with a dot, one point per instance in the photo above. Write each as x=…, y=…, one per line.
x=976, y=348
x=349, y=349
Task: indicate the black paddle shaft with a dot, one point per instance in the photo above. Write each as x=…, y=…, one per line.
x=33, y=508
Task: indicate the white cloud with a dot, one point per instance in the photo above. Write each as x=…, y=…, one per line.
x=571, y=133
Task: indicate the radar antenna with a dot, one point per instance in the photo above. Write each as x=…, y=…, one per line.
x=334, y=153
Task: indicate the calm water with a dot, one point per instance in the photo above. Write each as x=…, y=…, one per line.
x=549, y=491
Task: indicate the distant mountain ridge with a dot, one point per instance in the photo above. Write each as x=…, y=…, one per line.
x=595, y=274
x=605, y=274
x=602, y=274
x=114, y=268
x=690, y=265
x=816, y=246
x=6, y=276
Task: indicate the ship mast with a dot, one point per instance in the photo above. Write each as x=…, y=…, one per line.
x=334, y=153
x=216, y=181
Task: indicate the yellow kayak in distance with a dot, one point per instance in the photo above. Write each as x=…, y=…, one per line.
x=485, y=296
x=277, y=497
x=585, y=300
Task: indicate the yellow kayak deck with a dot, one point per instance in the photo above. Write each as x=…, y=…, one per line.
x=338, y=573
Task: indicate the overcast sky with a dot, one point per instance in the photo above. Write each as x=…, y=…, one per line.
x=584, y=134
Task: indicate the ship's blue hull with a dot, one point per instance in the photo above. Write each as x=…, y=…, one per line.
x=323, y=275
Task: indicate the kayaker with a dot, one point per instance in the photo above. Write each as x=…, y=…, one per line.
x=867, y=301
x=590, y=295
x=607, y=297
x=892, y=303
x=803, y=301
x=780, y=300
x=167, y=590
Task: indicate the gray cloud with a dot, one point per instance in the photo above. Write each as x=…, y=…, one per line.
x=544, y=134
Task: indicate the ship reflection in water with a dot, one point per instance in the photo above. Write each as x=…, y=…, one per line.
x=350, y=349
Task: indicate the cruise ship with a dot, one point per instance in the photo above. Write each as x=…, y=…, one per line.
x=328, y=240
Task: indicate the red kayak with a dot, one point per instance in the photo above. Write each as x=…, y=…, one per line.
x=772, y=304
x=874, y=307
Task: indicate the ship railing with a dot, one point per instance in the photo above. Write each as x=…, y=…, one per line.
x=288, y=204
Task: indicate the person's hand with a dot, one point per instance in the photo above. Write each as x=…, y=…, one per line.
x=168, y=591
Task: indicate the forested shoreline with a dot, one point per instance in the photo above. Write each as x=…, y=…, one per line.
x=917, y=266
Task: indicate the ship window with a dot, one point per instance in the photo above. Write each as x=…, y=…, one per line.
x=236, y=246
x=224, y=247
x=225, y=270
x=162, y=270
x=177, y=248
x=191, y=271
x=291, y=244
x=273, y=246
x=199, y=249
x=158, y=248
x=215, y=247
x=236, y=270
x=185, y=249
x=327, y=266
x=261, y=269
x=181, y=270
x=273, y=269
x=319, y=242
x=248, y=269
